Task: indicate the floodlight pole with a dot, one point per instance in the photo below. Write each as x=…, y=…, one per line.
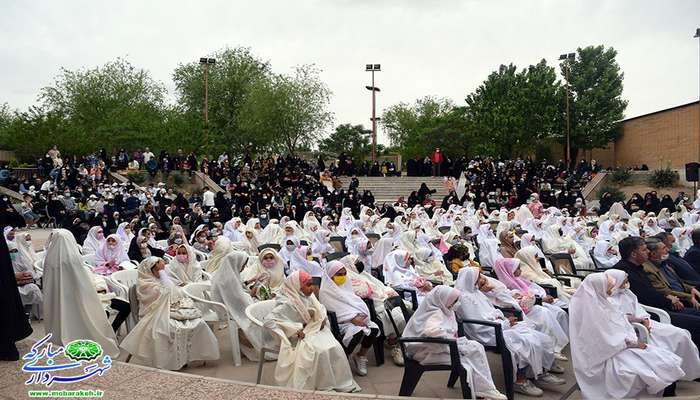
x=568, y=58
x=205, y=63
x=372, y=68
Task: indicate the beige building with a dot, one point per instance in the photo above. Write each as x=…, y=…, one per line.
x=667, y=136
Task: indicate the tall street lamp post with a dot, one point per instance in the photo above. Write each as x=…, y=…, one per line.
x=372, y=68
x=567, y=58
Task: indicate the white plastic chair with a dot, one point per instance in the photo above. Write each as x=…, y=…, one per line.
x=162, y=243
x=664, y=318
x=255, y=313
x=212, y=312
x=120, y=283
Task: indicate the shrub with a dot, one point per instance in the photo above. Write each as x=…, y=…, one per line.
x=664, y=177
x=621, y=176
x=136, y=177
x=615, y=192
x=178, y=179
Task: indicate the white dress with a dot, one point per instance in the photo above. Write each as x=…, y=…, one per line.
x=604, y=364
x=165, y=342
x=316, y=362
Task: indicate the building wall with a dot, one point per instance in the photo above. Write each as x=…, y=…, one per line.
x=659, y=138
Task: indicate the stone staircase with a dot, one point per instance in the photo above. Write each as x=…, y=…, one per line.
x=388, y=189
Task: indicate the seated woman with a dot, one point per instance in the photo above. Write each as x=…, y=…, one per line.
x=606, y=254
x=23, y=257
x=139, y=249
x=321, y=246
x=111, y=257
x=170, y=332
x=549, y=318
x=302, y=260
x=609, y=361
x=353, y=315
x=366, y=286
x=176, y=238
x=310, y=357
x=531, y=270
x=72, y=308
x=554, y=242
x=507, y=239
x=674, y=339
x=184, y=268
x=94, y=240
x=228, y=288
x=432, y=268
x=435, y=318
x=201, y=240
x=265, y=275
x=532, y=351
x=400, y=274
x=222, y=247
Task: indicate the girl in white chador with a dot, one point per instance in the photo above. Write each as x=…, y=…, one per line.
x=531, y=269
x=435, y=317
x=184, y=268
x=72, y=307
x=667, y=336
x=549, y=317
x=227, y=288
x=170, y=332
x=336, y=295
x=609, y=362
x=23, y=258
x=310, y=357
x=532, y=351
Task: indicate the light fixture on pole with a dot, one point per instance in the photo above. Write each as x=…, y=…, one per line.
x=372, y=68
x=568, y=59
x=206, y=62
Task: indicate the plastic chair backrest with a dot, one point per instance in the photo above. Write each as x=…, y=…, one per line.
x=127, y=277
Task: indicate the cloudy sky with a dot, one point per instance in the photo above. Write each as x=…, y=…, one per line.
x=440, y=47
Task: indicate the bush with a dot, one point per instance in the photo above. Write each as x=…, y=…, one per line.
x=615, y=192
x=621, y=176
x=178, y=179
x=136, y=177
x=664, y=177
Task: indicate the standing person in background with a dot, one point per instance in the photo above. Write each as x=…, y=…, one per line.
x=437, y=159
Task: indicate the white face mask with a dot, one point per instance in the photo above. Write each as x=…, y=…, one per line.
x=178, y=241
x=290, y=247
x=664, y=257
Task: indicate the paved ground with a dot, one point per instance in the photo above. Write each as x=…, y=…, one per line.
x=221, y=379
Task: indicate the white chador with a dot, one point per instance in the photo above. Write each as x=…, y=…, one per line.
x=165, y=342
x=72, y=307
x=341, y=300
x=227, y=288
x=316, y=362
x=530, y=349
x=435, y=318
x=30, y=293
x=606, y=363
x=532, y=270
x=666, y=336
x=186, y=271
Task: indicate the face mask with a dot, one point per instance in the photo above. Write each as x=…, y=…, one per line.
x=340, y=279
x=268, y=263
x=201, y=239
x=290, y=247
x=112, y=246
x=100, y=235
x=674, y=248
x=144, y=245
x=178, y=241
x=13, y=256
x=664, y=257
x=182, y=258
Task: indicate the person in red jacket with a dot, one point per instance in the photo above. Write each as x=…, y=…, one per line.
x=437, y=158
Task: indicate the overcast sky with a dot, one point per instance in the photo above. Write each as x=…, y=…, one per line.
x=441, y=47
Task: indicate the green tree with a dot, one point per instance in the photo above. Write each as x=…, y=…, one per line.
x=115, y=105
x=353, y=140
x=287, y=113
x=416, y=128
x=511, y=111
x=597, y=106
x=236, y=72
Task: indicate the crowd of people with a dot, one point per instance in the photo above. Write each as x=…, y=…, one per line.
x=284, y=232
x=464, y=262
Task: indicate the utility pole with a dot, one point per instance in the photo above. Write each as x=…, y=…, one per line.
x=568, y=59
x=372, y=68
x=206, y=62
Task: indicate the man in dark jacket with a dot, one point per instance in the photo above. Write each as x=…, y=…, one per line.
x=634, y=253
x=692, y=256
x=684, y=270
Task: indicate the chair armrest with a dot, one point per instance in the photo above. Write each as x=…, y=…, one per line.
x=414, y=296
x=451, y=343
x=551, y=290
x=662, y=315
x=498, y=330
x=642, y=332
x=516, y=313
